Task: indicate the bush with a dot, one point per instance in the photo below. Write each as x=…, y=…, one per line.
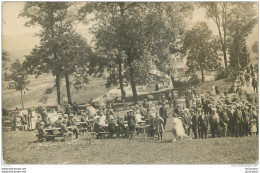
x=194, y=79
x=220, y=75
x=178, y=84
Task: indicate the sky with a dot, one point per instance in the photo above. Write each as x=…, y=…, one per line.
x=17, y=37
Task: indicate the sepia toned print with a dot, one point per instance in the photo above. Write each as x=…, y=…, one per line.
x=130, y=82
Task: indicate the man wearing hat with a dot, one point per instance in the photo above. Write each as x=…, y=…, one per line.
x=68, y=109
x=202, y=124
x=214, y=123
x=194, y=125
x=246, y=121
x=71, y=123
x=164, y=114
x=57, y=123
x=131, y=122
x=238, y=121
x=112, y=126
x=64, y=129
x=44, y=116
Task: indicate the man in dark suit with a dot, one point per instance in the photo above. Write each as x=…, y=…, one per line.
x=194, y=121
x=163, y=114
x=131, y=122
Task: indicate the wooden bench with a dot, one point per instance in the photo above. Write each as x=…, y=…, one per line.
x=103, y=134
x=83, y=130
x=6, y=129
x=48, y=137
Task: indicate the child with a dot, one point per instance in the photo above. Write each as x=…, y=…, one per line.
x=253, y=128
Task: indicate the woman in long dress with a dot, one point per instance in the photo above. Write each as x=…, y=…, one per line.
x=33, y=119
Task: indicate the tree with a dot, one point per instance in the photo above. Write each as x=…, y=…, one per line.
x=255, y=47
x=5, y=61
x=202, y=50
x=221, y=13
x=61, y=51
x=133, y=31
x=18, y=78
x=50, y=16
x=242, y=20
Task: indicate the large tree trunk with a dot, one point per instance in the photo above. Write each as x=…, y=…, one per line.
x=57, y=72
x=22, y=98
x=133, y=86
x=223, y=47
x=68, y=88
x=121, y=4
x=58, y=87
x=172, y=79
x=202, y=75
x=121, y=81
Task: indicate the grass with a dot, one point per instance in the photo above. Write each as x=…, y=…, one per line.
x=22, y=148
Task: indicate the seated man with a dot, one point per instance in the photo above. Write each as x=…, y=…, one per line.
x=121, y=125
x=112, y=126
x=98, y=127
x=41, y=131
x=57, y=123
x=71, y=123
x=64, y=130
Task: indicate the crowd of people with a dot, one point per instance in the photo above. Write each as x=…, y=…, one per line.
x=224, y=113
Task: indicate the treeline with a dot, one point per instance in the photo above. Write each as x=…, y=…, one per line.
x=131, y=37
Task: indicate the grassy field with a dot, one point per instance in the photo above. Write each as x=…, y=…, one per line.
x=22, y=148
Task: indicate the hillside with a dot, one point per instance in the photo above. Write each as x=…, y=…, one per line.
x=36, y=96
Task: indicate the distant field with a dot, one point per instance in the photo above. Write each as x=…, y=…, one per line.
x=22, y=148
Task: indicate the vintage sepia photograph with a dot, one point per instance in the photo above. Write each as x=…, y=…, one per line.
x=130, y=83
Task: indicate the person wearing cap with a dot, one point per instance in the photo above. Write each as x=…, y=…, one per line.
x=163, y=112
x=41, y=131
x=57, y=123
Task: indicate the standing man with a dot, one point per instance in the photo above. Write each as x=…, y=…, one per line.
x=44, y=116
x=194, y=121
x=131, y=122
x=163, y=114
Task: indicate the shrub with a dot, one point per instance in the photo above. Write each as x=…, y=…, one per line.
x=194, y=79
x=178, y=84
